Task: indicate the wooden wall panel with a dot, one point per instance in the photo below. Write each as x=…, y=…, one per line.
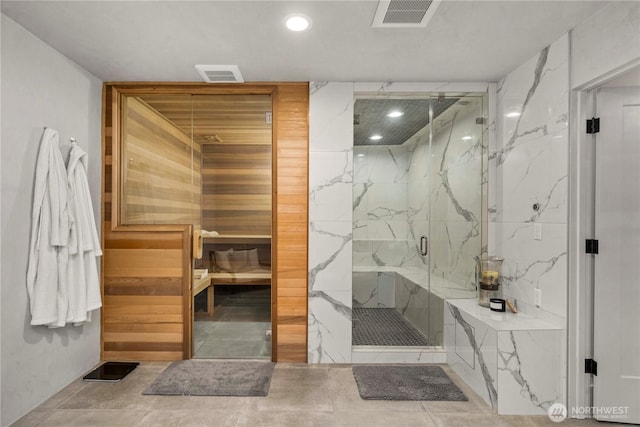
x=230, y=118
x=236, y=189
x=144, y=288
x=161, y=174
x=291, y=219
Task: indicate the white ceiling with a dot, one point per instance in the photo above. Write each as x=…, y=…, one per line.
x=163, y=40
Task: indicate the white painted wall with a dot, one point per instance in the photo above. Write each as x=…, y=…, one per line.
x=40, y=88
x=605, y=41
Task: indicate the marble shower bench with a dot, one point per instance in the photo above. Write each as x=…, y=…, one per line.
x=514, y=361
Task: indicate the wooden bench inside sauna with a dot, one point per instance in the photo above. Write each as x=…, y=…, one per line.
x=232, y=260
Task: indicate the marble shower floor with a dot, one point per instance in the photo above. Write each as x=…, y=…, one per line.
x=300, y=395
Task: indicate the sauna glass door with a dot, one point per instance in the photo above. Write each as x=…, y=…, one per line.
x=232, y=314
x=206, y=160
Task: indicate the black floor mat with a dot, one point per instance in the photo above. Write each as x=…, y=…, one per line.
x=111, y=371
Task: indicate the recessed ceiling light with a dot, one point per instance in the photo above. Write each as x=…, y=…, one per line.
x=467, y=138
x=375, y=137
x=297, y=22
x=395, y=114
x=513, y=114
x=360, y=155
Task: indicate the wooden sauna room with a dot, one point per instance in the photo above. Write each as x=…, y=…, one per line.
x=205, y=221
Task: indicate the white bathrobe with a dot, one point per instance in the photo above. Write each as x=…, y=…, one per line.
x=50, y=230
x=82, y=273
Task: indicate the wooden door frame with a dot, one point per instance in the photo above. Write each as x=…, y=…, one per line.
x=294, y=349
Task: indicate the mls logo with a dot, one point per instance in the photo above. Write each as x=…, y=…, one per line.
x=557, y=412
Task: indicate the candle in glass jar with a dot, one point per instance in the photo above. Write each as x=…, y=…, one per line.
x=489, y=276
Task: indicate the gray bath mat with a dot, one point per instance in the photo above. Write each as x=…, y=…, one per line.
x=392, y=382
x=213, y=378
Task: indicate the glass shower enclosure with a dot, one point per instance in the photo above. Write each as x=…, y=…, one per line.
x=418, y=199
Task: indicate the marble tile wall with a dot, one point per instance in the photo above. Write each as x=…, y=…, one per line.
x=380, y=207
x=530, y=375
x=530, y=162
x=330, y=221
x=472, y=351
x=412, y=300
x=423, y=309
x=374, y=289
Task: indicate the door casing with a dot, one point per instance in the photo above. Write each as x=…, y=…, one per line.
x=581, y=206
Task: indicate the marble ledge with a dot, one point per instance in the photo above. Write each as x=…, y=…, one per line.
x=439, y=286
x=506, y=321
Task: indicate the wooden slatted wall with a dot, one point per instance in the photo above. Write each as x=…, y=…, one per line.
x=162, y=176
x=236, y=189
x=291, y=218
x=144, y=308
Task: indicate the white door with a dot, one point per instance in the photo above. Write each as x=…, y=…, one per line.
x=617, y=266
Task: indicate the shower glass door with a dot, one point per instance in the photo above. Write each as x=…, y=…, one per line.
x=456, y=197
x=416, y=213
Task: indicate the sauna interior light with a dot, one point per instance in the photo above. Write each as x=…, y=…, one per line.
x=297, y=23
x=375, y=137
x=395, y=114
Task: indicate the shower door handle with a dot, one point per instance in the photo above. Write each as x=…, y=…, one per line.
x=424, y=246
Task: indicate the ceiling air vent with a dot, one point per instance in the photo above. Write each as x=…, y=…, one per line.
x=404, y=13
x=220, y=73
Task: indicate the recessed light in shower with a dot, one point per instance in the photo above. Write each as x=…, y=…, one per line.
x=513, y=114
x=395, y=114
x=375, y=137
x=467, y=138
x=297, y=22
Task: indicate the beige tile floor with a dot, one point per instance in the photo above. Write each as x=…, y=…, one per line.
x=300, y=395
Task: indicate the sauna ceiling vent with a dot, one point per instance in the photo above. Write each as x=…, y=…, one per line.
x=220, y=73
x=404, y=13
